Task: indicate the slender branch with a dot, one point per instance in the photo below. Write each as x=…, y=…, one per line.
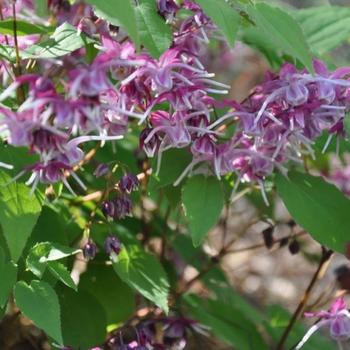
x=326, y=255
x=262, y=245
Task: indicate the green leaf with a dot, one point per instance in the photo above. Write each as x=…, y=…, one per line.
x=154, y=33
x=19, y=211
x=62, y=42
x=116, y=297
x=224, y=16
x=119, y=13
x=282, y=30
x=50, y=226
x=8, y=278
x=59, y=271
x=203, y=200
x=83, y=319
x=39, y=302
x=319, y=207
x=33, y=259
x=7, y=53
x=173, y=164
x=226, y=322
x=143, y=272
x=45, y=252
x=23, y=28
x=325, y=27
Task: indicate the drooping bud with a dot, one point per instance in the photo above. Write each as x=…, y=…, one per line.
x=268, y=237
x=284, y=241
x=294, y=247
x=113, y=246
x=101, y=170
x=167, y=8
x=128, y=183
x=89, y=250
x=108, y=209
x=123, y=206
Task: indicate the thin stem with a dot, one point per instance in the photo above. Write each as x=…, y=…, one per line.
x=18, y=70
x=326, y=255
x=262, y=245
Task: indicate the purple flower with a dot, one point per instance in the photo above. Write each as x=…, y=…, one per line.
x=337, y=319
x=113, y=245
x=167, y=8
x=128, y=183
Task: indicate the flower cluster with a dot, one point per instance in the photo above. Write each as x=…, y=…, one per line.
x=174, y=98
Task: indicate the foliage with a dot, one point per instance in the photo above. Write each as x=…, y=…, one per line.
x=123, y=160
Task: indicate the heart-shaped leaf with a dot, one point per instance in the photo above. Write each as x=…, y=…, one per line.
x=39, y=302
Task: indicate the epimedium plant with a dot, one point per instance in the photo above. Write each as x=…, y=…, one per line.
x=120, y=152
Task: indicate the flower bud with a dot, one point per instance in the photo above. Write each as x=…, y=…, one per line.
x=128, y=183
x=294, y=247
x=108, y=209
x=89, y=250
x=167, y=8
x=113, y=246
x=268, y=237
x=101, y=170
x=123, y=206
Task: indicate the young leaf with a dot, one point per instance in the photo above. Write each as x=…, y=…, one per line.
x=45, y=252
x=116, y=297
x=203, y=200
x=317, y=206
x=62, y=42
x=282, y=30
x=39, y=302
x=119, y=13
x=8, y=277
x=224, y=16
x=19, y=211
x=59, y=271
x=83, y=319
x=143, y=272
x=154, y=33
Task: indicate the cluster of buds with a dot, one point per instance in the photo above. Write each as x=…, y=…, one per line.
x=121, y=206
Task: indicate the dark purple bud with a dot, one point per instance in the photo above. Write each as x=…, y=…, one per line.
x=268, y=237
x=284, y=241
x=122, y=206
x=167, y=8
x=101, y=170
x=108, y=209
x=112, y=245
x=89, y=250
x=294, y=247
x=128, y=183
